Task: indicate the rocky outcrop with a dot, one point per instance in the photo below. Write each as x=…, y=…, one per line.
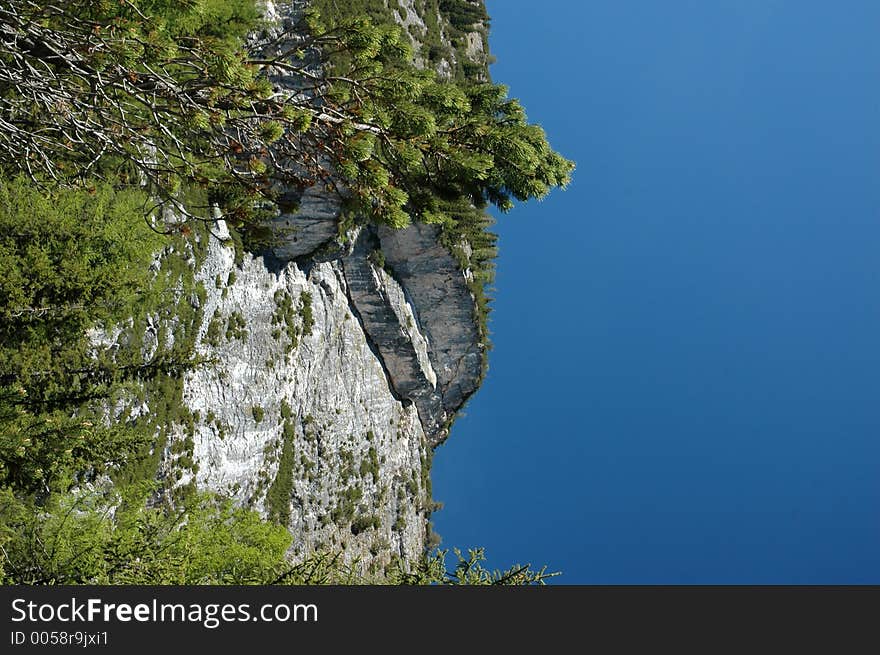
x=331, y=381
x=443, y=305
x=297, y=401
x=309, y=229
x=391, y=324
x=418, y=312
x=337, y=363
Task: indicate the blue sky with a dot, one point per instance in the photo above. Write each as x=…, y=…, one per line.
x=685, y=383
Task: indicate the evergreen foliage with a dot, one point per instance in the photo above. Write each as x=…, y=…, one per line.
x=446, y=22
x=71, y=260
x=152, y=89
x=96, y=537
x=463, y=14
x=110, y=538
x=412, y=143
x=279, y=493
x=169, y=93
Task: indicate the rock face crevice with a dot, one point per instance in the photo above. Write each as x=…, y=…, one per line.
x=444, y=306
x=391, y=324
x=421, y=316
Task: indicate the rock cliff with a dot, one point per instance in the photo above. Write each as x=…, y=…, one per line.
x=337, y=365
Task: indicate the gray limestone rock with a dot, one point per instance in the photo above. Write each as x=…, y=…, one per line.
x=351, y=436
x=330, y=376
x=444, y=308
x=391, y=326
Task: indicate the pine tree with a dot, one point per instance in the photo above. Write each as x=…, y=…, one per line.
x=170, y=94
x=71, y=260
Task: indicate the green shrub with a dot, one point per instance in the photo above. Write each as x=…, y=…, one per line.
x=364, y=523
x=279, y=493
x=208, y=541
x=305, y=312
x=235, y=327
